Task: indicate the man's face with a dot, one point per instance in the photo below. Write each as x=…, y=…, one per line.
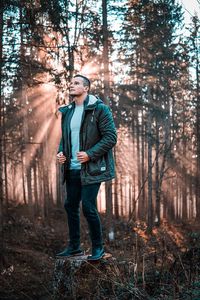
x=76, y=87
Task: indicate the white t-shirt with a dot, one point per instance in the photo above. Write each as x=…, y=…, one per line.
x=75, y=126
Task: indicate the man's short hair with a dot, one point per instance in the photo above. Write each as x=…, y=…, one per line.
x=86, y=81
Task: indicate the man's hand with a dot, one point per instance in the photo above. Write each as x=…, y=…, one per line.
x=82, y=157
x=61, y=158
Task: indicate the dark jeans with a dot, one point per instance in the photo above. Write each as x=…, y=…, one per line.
x=88, y=194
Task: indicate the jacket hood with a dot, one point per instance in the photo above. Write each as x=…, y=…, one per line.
x=90, y=102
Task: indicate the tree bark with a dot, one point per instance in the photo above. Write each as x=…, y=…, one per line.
x=75, y=278
x=157, y=177
x=196, y=49
x=141, y=213
x=106, y=84
x=149, y=140
x=1, y=148
x=116, y=194
x=35, y=178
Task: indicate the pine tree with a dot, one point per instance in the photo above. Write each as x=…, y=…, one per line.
x=152, y=56
x=194, y=48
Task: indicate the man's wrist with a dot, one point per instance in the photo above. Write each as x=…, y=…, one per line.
x=88, y=154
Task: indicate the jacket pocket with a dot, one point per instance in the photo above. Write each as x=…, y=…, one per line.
x=98, y=167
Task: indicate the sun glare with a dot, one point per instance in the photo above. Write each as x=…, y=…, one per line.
x=90, y=69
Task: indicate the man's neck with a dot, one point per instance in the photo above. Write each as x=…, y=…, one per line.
x=80, y=99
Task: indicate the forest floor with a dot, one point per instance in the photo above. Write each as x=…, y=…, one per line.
x=163, y=265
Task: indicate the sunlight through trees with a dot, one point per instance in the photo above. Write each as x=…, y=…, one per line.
x=140, y=64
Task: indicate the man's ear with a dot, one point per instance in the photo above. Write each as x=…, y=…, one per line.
x=87, y=88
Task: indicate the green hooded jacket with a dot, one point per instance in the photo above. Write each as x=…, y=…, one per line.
x=97, y=138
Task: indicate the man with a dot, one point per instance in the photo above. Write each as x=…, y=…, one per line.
x=85, y=151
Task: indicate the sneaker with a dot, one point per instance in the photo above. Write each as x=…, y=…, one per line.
x=68, y=252
x=97, y=253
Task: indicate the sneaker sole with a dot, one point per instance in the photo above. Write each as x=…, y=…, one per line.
x=95, y=259
x=71, y=255
x=78, y=254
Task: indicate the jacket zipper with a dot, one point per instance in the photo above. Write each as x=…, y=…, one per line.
x=68, y=131
x=80, y=133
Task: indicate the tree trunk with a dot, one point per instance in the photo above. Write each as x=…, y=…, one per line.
x=25, y=155
x=141, y=213
x=149, y=140
x=1, y=148
x=75, y=278
x=35, y=178
x=29, y=184
x=23, y=175
x=116, y=194
x=143, y=171
x=157, y=183
x=121, y=195
x=58, y=186
x=106, y=84
x=184, y=178
x=196, y=49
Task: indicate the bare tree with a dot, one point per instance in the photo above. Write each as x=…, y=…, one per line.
x=1, y=146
